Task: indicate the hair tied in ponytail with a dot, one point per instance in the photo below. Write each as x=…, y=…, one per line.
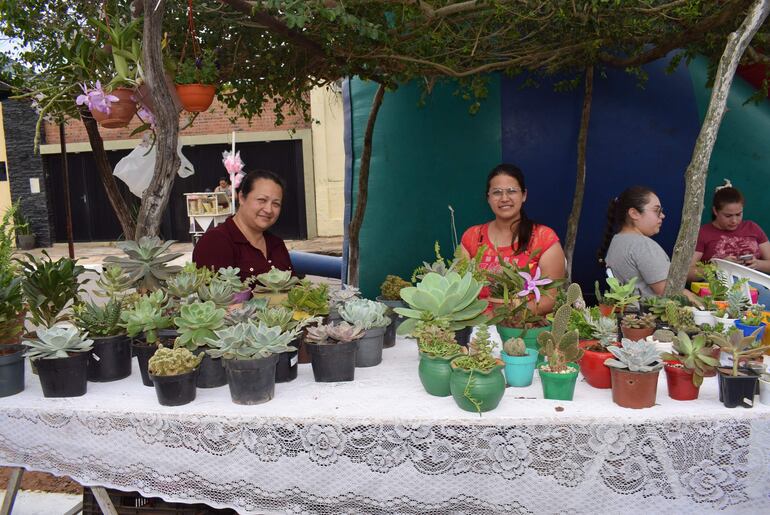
x=727, y=184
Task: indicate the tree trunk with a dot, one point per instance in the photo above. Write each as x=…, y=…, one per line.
x=167, y=160
x=363, y=189
x=580, y=176
x=104, y=169
x=695, y=176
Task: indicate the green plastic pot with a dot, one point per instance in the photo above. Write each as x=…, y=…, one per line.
x=477, y=391
x=530, y=339
x=557, y=386
x=434, y=374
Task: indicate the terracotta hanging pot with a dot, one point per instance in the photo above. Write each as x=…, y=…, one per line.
x=121, y=112
x=147, y=100
x=196, y=98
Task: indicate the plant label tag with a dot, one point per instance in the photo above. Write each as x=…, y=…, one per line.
x=293, y=361
x=96, y=356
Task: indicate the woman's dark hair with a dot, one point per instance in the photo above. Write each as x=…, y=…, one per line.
x=725, y=195
x=223, y=179
x=526, y=224
x=248, y=182
x=634, y=197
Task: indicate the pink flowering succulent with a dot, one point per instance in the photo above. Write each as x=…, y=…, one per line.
x=531, y=284
x=96, y=98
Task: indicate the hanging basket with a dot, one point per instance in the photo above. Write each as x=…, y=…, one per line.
x=121, y=112
x=196, y=98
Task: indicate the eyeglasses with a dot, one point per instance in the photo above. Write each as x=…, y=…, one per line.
x=658, y=211
x=498, y=192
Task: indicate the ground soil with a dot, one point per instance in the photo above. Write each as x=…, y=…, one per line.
x=41, y=481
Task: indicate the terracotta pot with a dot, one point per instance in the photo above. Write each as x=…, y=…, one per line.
x=148, y=101
x=196, y=98
x=636, y=333
x=607, y=310
x=679, y=381
x=121, y=112
x=592, y=366
x=634, y=389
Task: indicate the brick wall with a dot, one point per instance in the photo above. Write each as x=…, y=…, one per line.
x=213, y=121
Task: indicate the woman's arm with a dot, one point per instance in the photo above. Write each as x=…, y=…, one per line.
x=692, y=273
x=762, y=264
x=552, y=266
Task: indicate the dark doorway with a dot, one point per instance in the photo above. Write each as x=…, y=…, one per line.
x=94, y=220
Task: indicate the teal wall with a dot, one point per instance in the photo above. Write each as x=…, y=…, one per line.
x=425, y=158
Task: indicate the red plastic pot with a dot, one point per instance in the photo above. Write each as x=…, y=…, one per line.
x=592, y=366
x=679, y=381
x=634, y=389
x=606, y=310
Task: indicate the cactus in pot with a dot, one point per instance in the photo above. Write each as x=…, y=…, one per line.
x=560, y=347
x=173, y=362
x=515, y=347
x=391, y=287
x=173, y=373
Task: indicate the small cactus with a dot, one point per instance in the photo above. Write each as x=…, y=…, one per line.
x=173, y=362
x=559, y=345
x=391, y=287
x=515, y=347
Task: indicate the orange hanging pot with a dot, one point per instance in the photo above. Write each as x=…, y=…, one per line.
x=196, y=98
x=121, y=112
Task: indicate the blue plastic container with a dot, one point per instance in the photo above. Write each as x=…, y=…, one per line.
x=519, y=369
x=748, y=330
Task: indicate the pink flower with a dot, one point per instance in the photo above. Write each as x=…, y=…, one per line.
x=531, y=284
x=234, y=166
x=96, y=98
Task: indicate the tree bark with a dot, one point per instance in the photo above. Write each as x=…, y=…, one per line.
x=104, y=169
x=695, y=176
x=363, y=189
x=167, y=160
x=580, y=177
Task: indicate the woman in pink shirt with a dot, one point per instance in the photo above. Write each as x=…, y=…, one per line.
x=729, y=236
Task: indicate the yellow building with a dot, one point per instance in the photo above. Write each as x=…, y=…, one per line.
x=5, y=184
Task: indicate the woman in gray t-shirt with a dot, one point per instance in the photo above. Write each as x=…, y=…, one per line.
x=628, y=250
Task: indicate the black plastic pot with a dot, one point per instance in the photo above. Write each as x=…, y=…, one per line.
x=167, y=336
x=110, y=359
x=395, y=321
x=64, y=377
x=251, y=381
x=211, y=373
x=463, y=336
x=333, y=363
x=175, y=390
x=143, y=353
x=369, y=352
x=286, y=366
x=12, y=371
x=738, y=390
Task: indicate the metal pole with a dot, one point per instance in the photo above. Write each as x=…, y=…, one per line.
x=67, y=207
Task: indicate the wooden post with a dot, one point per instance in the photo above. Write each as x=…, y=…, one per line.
x=67, y=204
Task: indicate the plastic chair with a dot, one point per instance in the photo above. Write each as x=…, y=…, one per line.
x=734, y=270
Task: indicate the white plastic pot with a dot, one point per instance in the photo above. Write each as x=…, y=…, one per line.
x=764, y=391
x=703, y=317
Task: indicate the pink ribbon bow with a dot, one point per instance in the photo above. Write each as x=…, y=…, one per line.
x=234, y=166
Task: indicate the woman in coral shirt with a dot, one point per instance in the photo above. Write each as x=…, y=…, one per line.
x=512, y=235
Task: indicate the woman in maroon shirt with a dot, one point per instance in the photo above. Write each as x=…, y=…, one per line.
x=243, y=241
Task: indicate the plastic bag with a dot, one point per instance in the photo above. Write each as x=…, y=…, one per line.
x=136, y=168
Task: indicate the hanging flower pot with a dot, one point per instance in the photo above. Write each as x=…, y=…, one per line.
x=121, y=111
x=196, y=98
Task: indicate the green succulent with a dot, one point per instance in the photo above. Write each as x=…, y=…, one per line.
x=515, y=347
x=560, y=345
x=694, y=354
x=173, y=362
x=197, y=322
x=753, y=316
x=249, y=341
x=246, y=311
x=621, y=295
x=11, y=307
x=718, y=286
x=582, y=320
x=739, y=346
x=451, y=298
x=391, y=287
x=146, y=317
x=217, y=291
x=334, y=333
x=636, y=356
x=49, y=287
x=275, y=281
x=604, y=329
x=113, y=282
x=634, y=321
x=439, y=266
x=57, y=342
x=278, y=316
x=99, y=320
x=479, y=353
x=364, y=312
x=737, y=302
x=232, y=276
x=185, y=285
x=146, y=261
x=435, y=339
x=342, y=295
x=309, y=299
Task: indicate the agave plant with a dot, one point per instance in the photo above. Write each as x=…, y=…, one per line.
x=364, y=312
x=57, y=342
x=275, y=281
x=146, y=262
x=197, y=322
x=334, y=333
x=636, y=356
x=248, y=341
x=451, y=298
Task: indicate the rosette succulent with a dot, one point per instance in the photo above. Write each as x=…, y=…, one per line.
x=275, y=281
x=334, y=333
x=146, y=316
x=341, y=296
x=197, y=322
x=248, y=341
x=636, y=356
x=218, y=291
x=245, y=312
x=365, y=313
x=57, y=342
x=146, y=262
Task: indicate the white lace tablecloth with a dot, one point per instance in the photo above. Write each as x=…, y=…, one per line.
x=382, y=445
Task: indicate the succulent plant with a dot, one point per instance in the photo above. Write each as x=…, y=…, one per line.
x=364, y=312
x=581, y=320
x=634, y=321
x=663, y=335
x=98, y=320
x=559, y=344
x=113, y=282
x=217, y=291
x=185, y=285
x=249, y=341
x=57, y=342
x=435, y=339
x=479, y=353
x=451, y=298
x=694, y=354
x=284, y=318
x=739, y=346
x=604, y=329
x=621, y=295
x=718, y=286
x=334, y=333
x=754, y=315
x=275, y=281
x=391, y=287
x=197, y=322
x=439, y=266
x=146, y=316
x=737, y=302
x=342, y=295
x=246, y=311
x=49, y=287
x=505, y=280
x=679, y=317
x=173, y=362
x=146, y=261
x=636, y=356
x=515, y=347
x=232, y=276
x=308, y=299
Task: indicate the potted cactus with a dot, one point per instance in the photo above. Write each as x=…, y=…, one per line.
x=686, y=365
x=438, y=347
x=274, y=285
x=637, y=327
x=196, y=324
x=110, y=359
x=737, y=385
x=280, y=316
x=635, y=367
x=11, y=328
x=560, y=347
x=477, y=383
x=250, y=353
x=173, y=373
x=333, y=351
x=390, y=295
x=604, y=332
x=371, y=316
x=61, y=356
x=146, y=262
x=143, y=321
x=519, y=362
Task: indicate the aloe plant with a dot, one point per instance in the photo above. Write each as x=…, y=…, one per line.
x=364, y=312
x=50, y=287
x=99, y=320
x=57, y=342
x=275, y=281
x=197, y=322
x=146, y=262
x=249, y=341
